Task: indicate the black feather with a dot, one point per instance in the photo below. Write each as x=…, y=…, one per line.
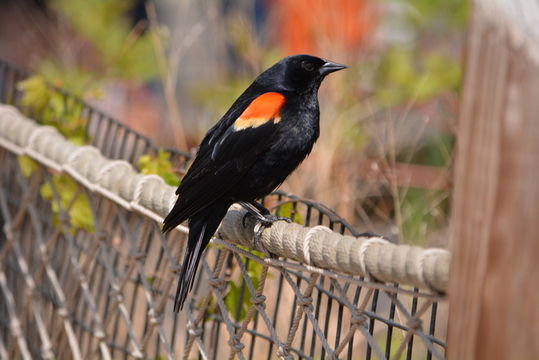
x=201, y=228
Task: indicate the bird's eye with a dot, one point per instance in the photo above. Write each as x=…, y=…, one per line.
x=309, y=66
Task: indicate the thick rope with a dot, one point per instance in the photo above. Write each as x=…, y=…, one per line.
x=371, y=257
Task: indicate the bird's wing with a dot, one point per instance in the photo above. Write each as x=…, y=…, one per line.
x=221, y=162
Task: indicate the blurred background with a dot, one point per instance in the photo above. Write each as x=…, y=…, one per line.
x=170, y=69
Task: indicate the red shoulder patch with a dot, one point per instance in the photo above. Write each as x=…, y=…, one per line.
x=264, y=108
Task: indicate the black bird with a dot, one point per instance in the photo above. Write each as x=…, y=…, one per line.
x=260, y=140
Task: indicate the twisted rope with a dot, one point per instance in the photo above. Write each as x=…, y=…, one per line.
x=371, y=257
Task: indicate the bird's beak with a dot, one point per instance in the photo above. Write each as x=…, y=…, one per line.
x=330, y=67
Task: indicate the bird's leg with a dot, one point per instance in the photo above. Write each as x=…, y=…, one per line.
x=269, y=217
x=260, y=207
x=264, y=217
x=262, y=214
x=254, y=211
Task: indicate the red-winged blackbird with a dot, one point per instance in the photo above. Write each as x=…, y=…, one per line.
x=260, y=140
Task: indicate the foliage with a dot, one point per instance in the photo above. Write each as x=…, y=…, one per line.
x=159, y=165
x=437, y=14
x=396, y=338
x=435, y=151
x=124, y=52
x=27, y=165
x=288, y=210
x=423, y=66
x=402, y=77
x=423, y=211
x=234, y=299
x=66, y=195
x=69, y=196
x=53, y=108
x=77, y=81
x=413, y=71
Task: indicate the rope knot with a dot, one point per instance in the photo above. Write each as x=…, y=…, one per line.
x=155, y=319
x=15, y=328
x=306, y=302
x=235, y=344
x=63, y=312
x=100, y=335
x=8, y=231
x=193, y=330
x=217, y=283
x=116, y=293
x=283, y=353
x=175, y=268
x=359, y=319
x=258, y=300
x=414, y=324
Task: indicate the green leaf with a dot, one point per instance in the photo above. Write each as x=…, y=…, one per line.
x=50, y=107
x=396, y=338
x=288, y=210
x=406, y=74
x=233, y=298
x=28, y=165
x=80, y=214
x=35, y=93
x=232, y=301
x=159, y=165
x=123, y=51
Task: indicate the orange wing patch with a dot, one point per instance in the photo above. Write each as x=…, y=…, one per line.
x=261, y=110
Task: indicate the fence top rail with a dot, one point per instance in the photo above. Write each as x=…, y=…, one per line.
x=318, y=249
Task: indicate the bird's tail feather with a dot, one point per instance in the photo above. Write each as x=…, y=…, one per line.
x=202, y=226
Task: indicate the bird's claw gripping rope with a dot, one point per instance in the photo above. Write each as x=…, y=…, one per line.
x=264, y=223
x=256, y=210
x=269, y=219
x=264, y=218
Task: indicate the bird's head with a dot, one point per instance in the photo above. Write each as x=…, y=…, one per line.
x=299, y=72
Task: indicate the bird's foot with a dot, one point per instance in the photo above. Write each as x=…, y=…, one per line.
x=265, y=222
x=254, y=209
x=266, y=219
x=269, y=219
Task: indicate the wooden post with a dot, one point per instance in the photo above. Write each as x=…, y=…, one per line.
x=494, y=282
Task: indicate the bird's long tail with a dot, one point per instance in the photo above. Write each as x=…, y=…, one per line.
x=202, y=226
